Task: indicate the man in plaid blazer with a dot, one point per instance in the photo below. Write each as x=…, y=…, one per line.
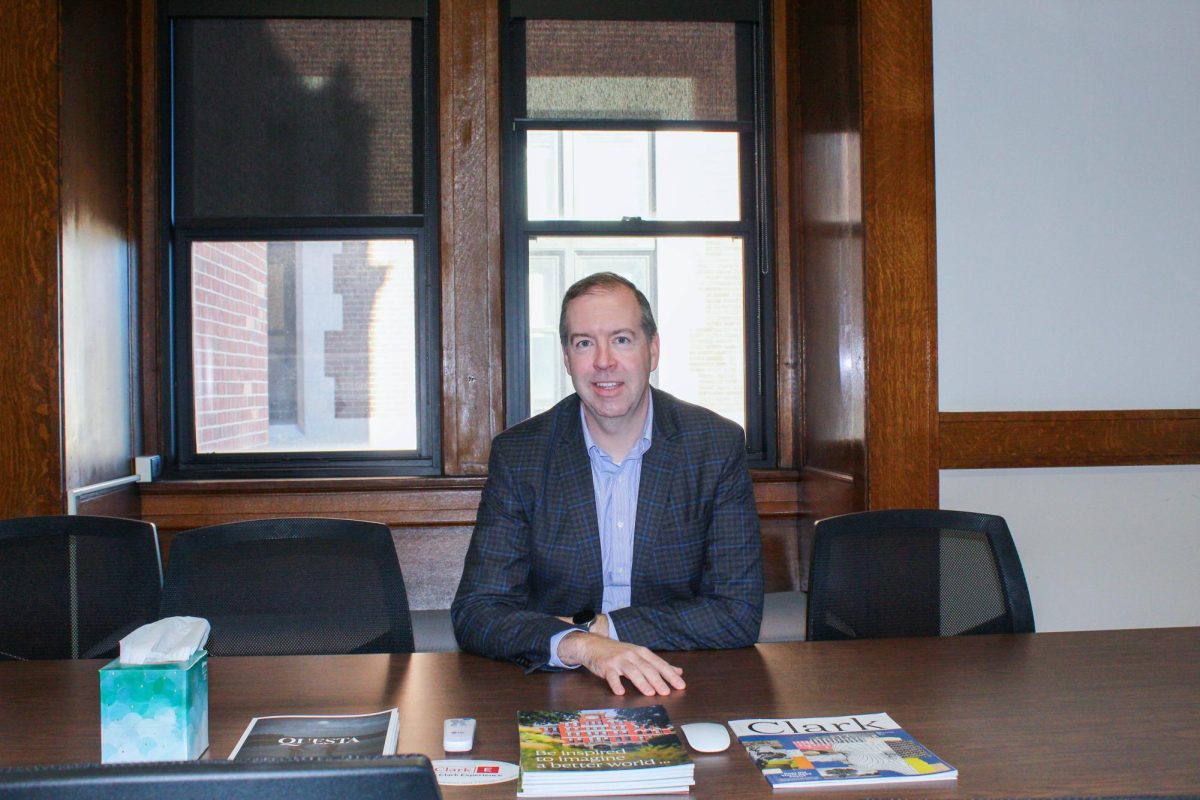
x=541, y=558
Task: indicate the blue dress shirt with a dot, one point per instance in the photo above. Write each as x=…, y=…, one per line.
x=616, y=488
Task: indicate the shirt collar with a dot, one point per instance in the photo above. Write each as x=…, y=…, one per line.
x=639, y=447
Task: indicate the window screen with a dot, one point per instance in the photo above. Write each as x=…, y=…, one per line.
x=293, y=117
x=612, y=69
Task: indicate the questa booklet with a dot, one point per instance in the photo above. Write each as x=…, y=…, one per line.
x=312, y=736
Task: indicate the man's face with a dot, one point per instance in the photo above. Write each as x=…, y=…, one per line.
x=608, y=356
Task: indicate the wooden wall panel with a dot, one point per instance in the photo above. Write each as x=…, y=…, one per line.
x=146, y=219
x=777, y=493
x=863, y=199
x=982, y=440
x=120, y=502
x=826, y=494
x=901, y=279
x=781, y=555
x=95, y=275
x=781, y=507
x=827, y=192
x=471, y=255
x=393, y=501
x=30, y=406
x=784, y=113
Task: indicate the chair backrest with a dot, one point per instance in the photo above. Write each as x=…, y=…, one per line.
x=74, y=585
x=292, y=586
x=915, y=572
x=379, y=778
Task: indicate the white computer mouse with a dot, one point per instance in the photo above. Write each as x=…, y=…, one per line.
x=707, y=737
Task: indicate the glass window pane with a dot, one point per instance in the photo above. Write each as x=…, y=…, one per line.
x=696, y=175
x=304, y=346
x=608, y=175
x=604, y=69
x=694, y=285
x=293, y=117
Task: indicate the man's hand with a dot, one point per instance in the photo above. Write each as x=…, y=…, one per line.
x=612, y=660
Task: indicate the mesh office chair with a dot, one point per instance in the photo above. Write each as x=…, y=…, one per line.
x=74, y=585
x=921, y=572
x=301, y=586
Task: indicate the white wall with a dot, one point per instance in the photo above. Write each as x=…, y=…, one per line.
x=1107, y=547
x=1068, y=193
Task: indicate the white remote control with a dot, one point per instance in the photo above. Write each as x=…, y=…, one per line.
x=458, y=734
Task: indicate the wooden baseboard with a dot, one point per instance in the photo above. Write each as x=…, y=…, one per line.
x=983, y=440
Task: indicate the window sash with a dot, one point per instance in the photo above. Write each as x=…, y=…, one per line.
x=753, y=227
x=423, y=460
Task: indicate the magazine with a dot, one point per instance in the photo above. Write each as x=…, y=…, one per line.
x=310, y=736
x=846, y=751
x=604, y=751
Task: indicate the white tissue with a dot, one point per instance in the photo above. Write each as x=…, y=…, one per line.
x=169, y=639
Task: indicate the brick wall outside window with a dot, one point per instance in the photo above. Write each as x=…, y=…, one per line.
x=229, y=317
x=348, y=351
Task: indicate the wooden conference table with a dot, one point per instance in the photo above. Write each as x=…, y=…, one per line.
x=1037, y=715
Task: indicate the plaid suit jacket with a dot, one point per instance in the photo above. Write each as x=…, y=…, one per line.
x=535, y=553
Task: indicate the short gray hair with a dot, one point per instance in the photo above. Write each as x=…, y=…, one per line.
x=605, y=282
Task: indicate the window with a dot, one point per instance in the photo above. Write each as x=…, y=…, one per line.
x=302, y=239
x=635, y=144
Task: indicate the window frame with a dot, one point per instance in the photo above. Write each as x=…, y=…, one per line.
x=755, y=227
x=421, y=226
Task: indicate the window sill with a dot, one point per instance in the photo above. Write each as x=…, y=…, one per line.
x=398, y=501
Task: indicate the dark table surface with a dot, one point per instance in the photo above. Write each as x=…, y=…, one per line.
x=1037, y=715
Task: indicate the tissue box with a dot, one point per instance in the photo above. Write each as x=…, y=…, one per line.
x=154, y=712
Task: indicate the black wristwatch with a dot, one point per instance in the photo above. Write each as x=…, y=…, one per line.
x=585, y=619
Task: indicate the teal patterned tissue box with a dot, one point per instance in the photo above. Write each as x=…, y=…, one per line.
x=154, y=712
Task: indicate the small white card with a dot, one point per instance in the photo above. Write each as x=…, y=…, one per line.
x=472, y=771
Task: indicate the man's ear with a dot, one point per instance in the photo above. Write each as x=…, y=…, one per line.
x=654, y=353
